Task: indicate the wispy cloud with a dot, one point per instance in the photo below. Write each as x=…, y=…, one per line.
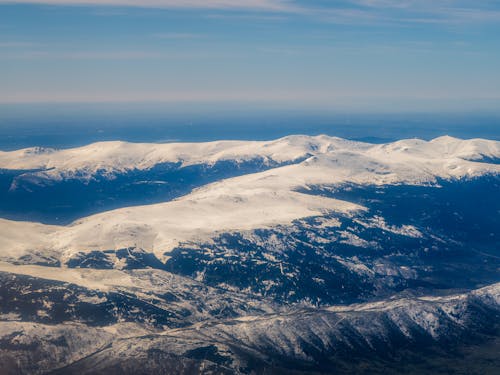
x=432, y=11
x=343, y=12
x=177, y=36
x=173, y=96
x=17, y=44
x=332, y=99
x=124, y=55
x=273, y=5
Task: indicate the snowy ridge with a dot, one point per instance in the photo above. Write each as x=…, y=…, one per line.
x=251, y=201
x=159, y=228
x=309, y=336
x=108, y=158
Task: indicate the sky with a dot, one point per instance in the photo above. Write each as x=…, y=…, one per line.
x=356, y=55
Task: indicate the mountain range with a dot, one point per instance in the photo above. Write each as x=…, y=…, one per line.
x=306, y=254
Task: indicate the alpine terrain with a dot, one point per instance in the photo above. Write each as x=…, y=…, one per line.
x=302, y=255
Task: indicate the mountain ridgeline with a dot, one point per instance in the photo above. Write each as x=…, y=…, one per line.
x=300, y=255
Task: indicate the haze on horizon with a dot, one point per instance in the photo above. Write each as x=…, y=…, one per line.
x=350, y=55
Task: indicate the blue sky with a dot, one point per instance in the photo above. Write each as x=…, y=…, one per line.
x=355, y=55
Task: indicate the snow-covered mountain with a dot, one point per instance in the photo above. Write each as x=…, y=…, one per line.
x=109, y=158
x=114, y=157
x=256, y=200
x=304, y=340
x=241, y=256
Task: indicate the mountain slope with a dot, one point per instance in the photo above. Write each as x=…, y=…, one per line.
x=257, y=200
x=110, y=158
x=300, y=255
x=300, y=339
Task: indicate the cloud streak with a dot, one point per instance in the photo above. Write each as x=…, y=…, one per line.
x=431, y=11
x=269, y=5
x=368, y=12
x=339, y=100
x=177, y=36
